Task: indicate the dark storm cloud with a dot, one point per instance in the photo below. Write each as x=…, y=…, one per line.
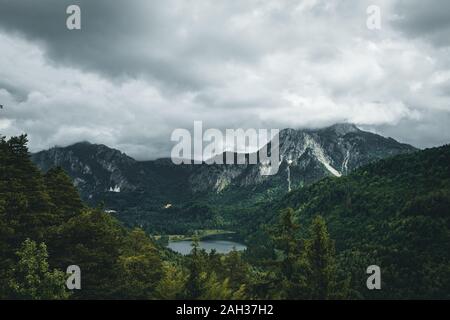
x=132, y=38
x=431, y=130
x=19, y=94
x=428, y=19
x=107, y=41
x=138, y=69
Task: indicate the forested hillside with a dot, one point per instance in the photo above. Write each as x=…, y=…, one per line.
x=315, y=243
x=44, y=228
x=164, y=198
x=394, y=213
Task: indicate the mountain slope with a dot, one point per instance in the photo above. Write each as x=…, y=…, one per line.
x=394, y=213
x=306, y=156
x=139, y=189
x=98, y=170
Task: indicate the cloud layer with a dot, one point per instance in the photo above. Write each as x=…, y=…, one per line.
x=139, y=69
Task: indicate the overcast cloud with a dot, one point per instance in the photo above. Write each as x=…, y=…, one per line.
x=138, y=69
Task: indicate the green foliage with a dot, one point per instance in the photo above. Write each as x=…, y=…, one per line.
x=31, y=278
x=303, y=267
x=394, y=213
x=321, y=267
x=26, y=204
x=196, y=282
x=172, y=285
x=286, y=239
x=63, y=195
x=216, y=289
x=115, y=262
x=140, y=267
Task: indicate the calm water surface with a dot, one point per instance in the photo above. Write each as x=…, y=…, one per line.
x=221, y=246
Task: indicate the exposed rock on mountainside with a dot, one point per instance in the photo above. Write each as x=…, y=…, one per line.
x=306, y=156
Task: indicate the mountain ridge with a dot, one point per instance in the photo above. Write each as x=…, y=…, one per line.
x=109, y=176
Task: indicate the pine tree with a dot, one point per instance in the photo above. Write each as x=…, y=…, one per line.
x=235, y=269
x=25, y=210
x=320, y=261
x=63, y=194
x=31, y=278
x=286, y=272
x=285, y=237
x=216, y=289
x=195, y=285
x=26, y=204
x=140, y=267
x=173, y=285
x=93, y=241
x=6, y=250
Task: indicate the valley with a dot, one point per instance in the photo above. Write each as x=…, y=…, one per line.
x=392, y=213
x=211, y=196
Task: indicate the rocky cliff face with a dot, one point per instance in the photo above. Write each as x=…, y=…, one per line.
x=306, y=156
x=93, y=168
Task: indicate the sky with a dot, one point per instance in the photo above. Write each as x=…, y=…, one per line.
x=139, y=69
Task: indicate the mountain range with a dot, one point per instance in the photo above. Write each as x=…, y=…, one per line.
x=139, y=188
x=392, y=213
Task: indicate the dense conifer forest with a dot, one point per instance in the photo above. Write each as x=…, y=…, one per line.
x=314, y=243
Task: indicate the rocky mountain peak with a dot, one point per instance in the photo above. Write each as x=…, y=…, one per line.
x=306, y=155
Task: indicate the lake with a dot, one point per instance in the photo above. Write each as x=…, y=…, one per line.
x=220, y=245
